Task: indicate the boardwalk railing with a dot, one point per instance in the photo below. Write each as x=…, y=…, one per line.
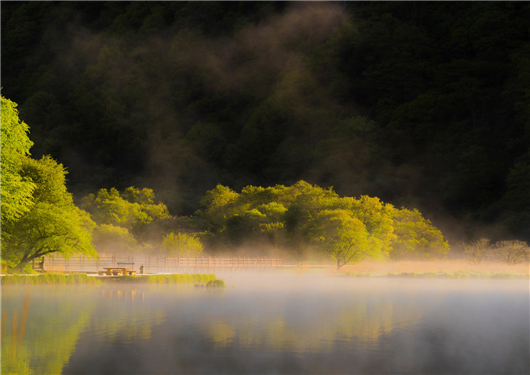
x=160, y=264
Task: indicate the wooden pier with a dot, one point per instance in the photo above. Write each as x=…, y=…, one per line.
x=154, y=265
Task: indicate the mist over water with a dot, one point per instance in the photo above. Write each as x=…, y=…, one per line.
x=288, y=323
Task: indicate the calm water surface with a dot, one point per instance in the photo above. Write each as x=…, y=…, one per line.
x=266, y=325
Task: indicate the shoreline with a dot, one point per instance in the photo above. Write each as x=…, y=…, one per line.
x=84, y=279
x=199, y=278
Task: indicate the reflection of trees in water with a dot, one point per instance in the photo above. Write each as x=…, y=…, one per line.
x=42, y=340
x=126, y=317
x=320, y=330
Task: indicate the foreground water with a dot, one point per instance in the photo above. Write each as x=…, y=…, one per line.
x=270, y=325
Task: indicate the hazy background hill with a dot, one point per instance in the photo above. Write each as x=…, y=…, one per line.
x=425, y=105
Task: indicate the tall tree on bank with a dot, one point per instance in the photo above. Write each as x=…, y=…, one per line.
x=343, y=237
x=47, y=221
x=16, y=188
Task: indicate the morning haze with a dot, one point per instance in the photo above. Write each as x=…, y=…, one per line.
x=265, y=187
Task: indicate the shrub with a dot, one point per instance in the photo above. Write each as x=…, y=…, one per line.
x=511, y=252
x=477, y=250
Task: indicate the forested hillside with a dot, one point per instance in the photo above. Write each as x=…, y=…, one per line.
x=424, y=105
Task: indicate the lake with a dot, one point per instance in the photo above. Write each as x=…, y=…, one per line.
x=270, y=324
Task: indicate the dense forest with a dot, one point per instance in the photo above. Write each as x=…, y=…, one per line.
x=424, y=105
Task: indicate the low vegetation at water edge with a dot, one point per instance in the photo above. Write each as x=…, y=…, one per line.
x=54, y=278
x=216, y=284
x=463, y=274
x=169, y=279
x=49, y=278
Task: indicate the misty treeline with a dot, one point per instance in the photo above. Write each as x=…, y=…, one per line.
x=301, y=221
x=420, y=104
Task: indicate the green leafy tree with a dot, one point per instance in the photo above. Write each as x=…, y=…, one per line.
x=341, y=236
x=16, y=188
x=182, y=244
x=110, y=239
x=377, y=217
x=53, y=224
x=135, y=210
x=217, y=206
x=416, y=237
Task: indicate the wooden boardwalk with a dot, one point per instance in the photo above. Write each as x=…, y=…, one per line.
x=155, y=265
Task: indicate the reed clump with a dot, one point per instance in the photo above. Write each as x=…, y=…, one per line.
x=183, y=278
x=49, y=278
x=216, y=284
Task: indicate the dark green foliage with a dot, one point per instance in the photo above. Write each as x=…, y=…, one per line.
x=420, y=104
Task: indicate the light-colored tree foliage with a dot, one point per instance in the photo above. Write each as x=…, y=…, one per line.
x=134, y=210
x=378, y=218
x=182, y=245
x=15, y=144
x=53, y=224
x=342, y=236
x=217, y=205
x=416, y=237
x=293, y=218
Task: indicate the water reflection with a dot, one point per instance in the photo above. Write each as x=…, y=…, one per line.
x=48, y=331
x=269, y=326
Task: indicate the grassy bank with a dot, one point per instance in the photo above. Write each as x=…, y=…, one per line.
x=462, y=274
x=49, y=278
x=80, y=278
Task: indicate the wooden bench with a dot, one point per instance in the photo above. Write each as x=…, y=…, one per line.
x=130, y=270
x=117, y=271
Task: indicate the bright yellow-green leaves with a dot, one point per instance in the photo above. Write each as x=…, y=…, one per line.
x=216, y=203
x=134, y=210
x=342, y=236
x=124, y=221
x=15, y=143
x=378, y=219
x=416, y=237
x=182, y=244
x=302, y=216
x=53, y=224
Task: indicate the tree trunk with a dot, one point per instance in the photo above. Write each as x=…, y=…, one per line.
x=26, y=260
x=339, y=265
